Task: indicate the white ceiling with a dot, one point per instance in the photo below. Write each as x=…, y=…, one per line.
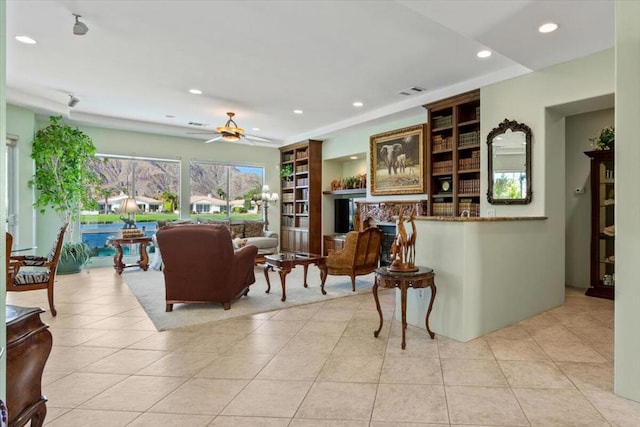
x=263, y=59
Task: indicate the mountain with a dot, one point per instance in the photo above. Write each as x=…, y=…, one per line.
x=154, y=177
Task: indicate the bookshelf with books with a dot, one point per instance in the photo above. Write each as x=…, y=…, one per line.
x=301, y=226
x=453, y=155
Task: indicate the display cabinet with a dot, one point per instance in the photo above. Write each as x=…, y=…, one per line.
x=301, y=197
x=602, y=271
x=453, y=155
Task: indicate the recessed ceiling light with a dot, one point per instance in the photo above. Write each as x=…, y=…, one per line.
x=484, y=54
x=358, y=104
x=353, y=157
x=25, y=39
x=549, y=27
x=195, y=91
x=256, y=129
x=170, y=116
x=298, y=111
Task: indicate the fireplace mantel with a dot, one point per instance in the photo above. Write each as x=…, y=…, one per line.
x=385, y=212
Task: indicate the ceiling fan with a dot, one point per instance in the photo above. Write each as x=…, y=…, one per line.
x=231, y=132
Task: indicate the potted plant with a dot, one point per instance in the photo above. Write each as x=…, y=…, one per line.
x=286, y=172
x=63, y=180
x=605, y=140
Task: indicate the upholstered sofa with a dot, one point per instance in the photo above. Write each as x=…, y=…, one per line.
x=200, y=265
x=243, y=233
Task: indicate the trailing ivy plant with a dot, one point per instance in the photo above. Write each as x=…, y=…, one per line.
x=63, y=179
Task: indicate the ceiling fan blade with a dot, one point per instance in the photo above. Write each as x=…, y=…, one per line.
x=217, y=138
x=210, y=132
x=256, y=138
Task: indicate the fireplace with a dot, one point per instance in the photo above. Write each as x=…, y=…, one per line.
x=388, y=234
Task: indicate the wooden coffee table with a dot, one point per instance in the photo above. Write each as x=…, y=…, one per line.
x=284, y=262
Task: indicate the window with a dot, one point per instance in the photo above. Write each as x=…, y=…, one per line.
x=225, y=191
x=154, y=183
x=11, y=194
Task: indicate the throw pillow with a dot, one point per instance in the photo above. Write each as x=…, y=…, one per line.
x=239, y=243
x=253, y=228
x=237, y=230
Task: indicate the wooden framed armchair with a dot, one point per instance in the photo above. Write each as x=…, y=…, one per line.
x=360, y=255
x=30, y=273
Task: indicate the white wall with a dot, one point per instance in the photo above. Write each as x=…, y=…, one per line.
x=627, y=159
x=579, y=128
x=3, y=191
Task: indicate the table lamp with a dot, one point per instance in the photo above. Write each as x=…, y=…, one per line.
x=130, y=207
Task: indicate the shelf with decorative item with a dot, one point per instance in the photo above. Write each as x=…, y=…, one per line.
x=354, y=182
x=351, y=191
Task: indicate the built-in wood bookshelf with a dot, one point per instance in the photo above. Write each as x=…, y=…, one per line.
x=453, y=155
x=301, y=198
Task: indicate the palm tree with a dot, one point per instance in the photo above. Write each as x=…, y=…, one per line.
x=170, y=198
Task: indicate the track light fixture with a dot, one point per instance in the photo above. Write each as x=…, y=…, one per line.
x=79, y=28
x=73, y=101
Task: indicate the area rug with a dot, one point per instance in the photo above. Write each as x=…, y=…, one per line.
x=148, y=287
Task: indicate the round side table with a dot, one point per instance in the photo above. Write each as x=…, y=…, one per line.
x=423, y=278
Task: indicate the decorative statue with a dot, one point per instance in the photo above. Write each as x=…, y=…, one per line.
x=403, y=250
x=128, y=223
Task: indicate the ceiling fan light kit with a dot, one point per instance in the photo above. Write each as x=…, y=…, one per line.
x=230, y=131
x=79, y=28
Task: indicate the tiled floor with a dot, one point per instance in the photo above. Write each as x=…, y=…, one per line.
x=319, y=365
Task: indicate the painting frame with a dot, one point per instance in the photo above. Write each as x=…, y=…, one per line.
x=397, y=162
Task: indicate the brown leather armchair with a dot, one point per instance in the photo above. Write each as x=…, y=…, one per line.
x=200, y=265
x=360, y=255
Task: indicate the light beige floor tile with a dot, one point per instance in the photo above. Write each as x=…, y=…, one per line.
x=512, y=332
x=310, y=344
x=134, y=393
x=179, y=364
x=85, y=417
x=125, y=362
x=238, y=366
x=260, y=344
x=200, y=396
x=343, y=401
x=333, y=314
x=605, y=350
x=596, y=334
x=284, y=366
x=269, y=398
x=404, y=403
x=526, y=349
x=239, y=326
x=534, y=374
x=386, y=424
x=73, y=337
x=49, y=376
x=53, y=413
x=73, y=321
x=322, y=327
x=589, y=376
x=164, y=341
x=304, y=312
x=417, y=346
x=357, y=369
x=76, y=388
x=545, y=407
x=540, y=320
x=484, y=406
x=279, y=327
x=360, y=346
x=300, y=422
x=118, y=339
x=365, y=328
x=553, y=333
x=475, y=349
x=212, y=343
x=472, y=372
x=620, y=412
x=73, y=358
x=570, y=351
x=411, y=370
x=231, y=421
x=171, y=420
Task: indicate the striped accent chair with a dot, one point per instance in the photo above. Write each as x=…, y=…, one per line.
x=29, y=273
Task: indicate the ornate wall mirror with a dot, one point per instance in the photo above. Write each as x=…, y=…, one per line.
x=509, y=154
